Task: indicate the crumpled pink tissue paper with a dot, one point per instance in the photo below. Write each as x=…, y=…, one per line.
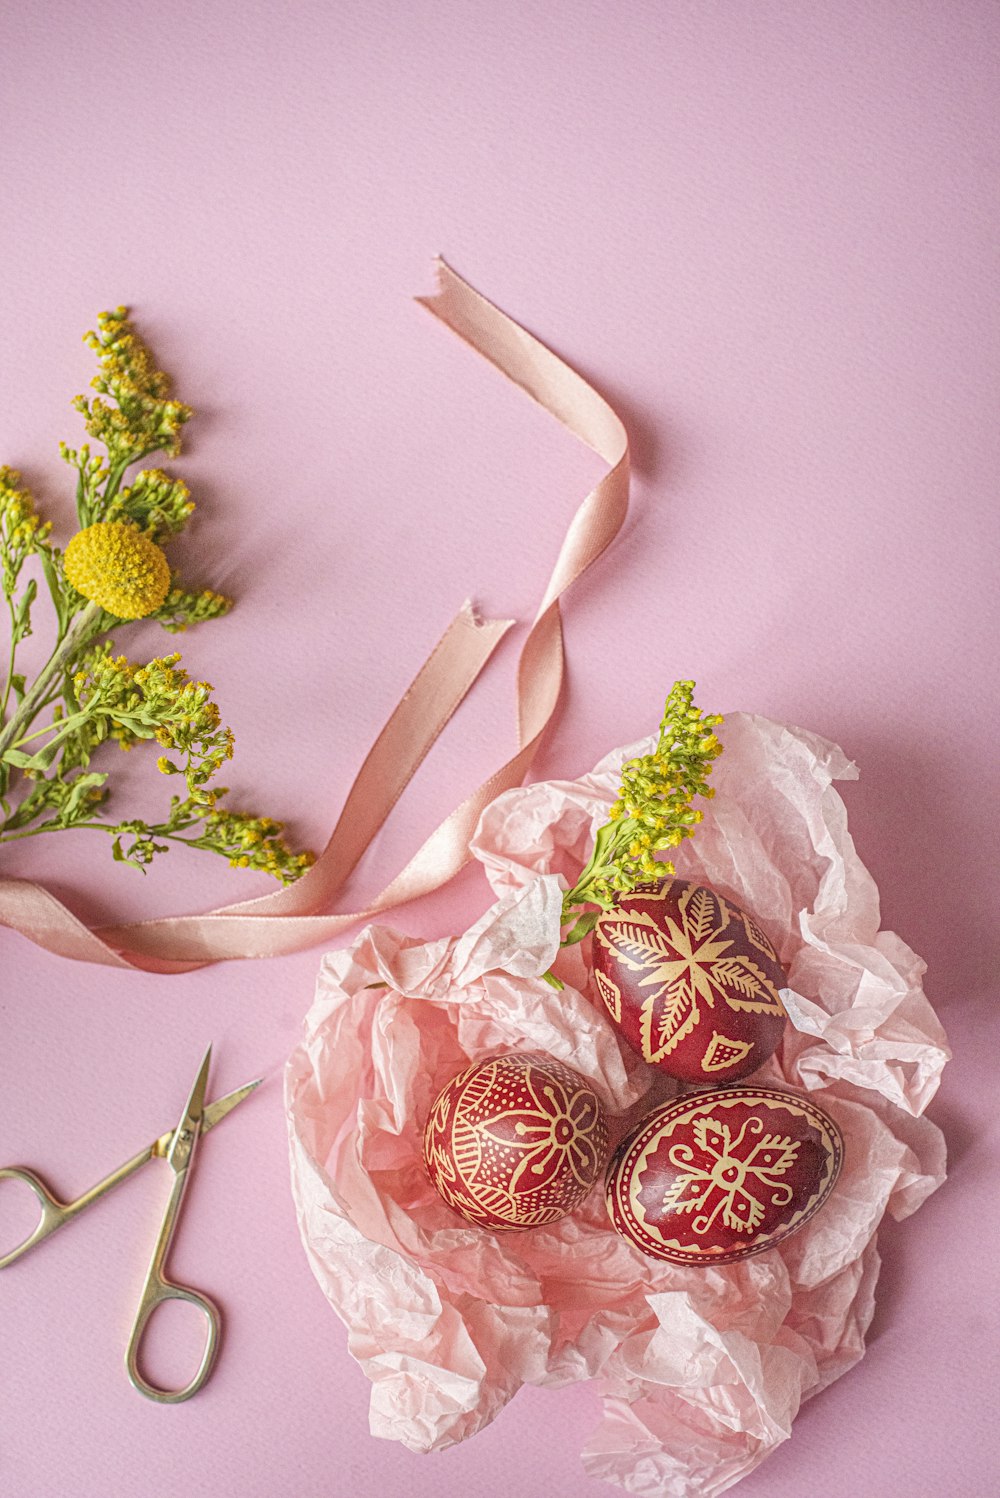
x=700, y=1371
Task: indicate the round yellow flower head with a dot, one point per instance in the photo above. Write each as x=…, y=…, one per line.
x=116, y=566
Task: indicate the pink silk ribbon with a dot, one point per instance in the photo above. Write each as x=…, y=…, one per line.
x=297, y=916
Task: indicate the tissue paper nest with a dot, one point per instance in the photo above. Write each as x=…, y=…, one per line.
x=700, y=1371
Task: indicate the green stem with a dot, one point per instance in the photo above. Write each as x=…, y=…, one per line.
x=12, y=837
x=10, y=663
x=33, y=700
x=118, y=472
x=61, y=727
x=114, y=482
x=82, y=508
x=610, y=840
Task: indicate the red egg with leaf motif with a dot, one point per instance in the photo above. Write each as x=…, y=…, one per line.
x=515, y=1141
x=716, y=1176
x=690, y=980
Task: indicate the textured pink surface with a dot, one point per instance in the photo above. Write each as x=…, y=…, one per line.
x=768, y=234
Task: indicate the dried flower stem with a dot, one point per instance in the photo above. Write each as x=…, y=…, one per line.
x=87, y=626
x=114, y=569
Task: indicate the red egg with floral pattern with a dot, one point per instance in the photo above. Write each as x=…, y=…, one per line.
x=717, y=1176
x=690, y=980
x=515, y=1141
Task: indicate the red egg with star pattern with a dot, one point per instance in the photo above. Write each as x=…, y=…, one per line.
x=713, y=1177
x=690, y=980
x=515, y=1141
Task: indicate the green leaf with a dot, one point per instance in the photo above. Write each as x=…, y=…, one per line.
x=603, y=845
x=79, y=798
x=53, y=578
x=41, y=760
x=22, y=613
x=19, y=759
x=583, y=928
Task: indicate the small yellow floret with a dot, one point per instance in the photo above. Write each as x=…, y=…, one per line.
x=116, y=566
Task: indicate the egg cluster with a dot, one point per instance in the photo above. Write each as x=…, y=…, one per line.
x=693, y=984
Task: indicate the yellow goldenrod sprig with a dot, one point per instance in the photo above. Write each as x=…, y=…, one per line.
x=22, y=531
x=247, y=841
x=158, y=504
x=139, y=416
x=653, y=812
x=22, y=534
x=181, y=608
x=156, y=701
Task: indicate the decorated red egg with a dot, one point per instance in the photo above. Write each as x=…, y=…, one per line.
x=515, y=1141
x=717, y=1176
x=691, y=981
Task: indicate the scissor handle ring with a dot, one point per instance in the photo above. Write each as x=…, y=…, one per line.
x=54, y=1212
x=158, y=1290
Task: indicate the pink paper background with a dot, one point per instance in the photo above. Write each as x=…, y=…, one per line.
x=768, y=233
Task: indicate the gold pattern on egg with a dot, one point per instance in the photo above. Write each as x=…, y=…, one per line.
x=610, y=993
x=727, y=1176
x=522, y=1146
x=687, y=966
x=730, y=1174
x=757, y=937
x=722, y=1052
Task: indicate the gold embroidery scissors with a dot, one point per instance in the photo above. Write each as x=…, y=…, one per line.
x=178, y=1147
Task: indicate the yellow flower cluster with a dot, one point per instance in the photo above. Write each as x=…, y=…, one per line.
x=657, y=790
x=653, y=811
x=157, y=701
x=113, y=564
x=21, y=529
x=181, y=608
x=143, y=418
x=255, y=843
x=158, y=504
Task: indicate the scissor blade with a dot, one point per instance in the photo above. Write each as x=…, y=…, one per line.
x=186, y=1133
x=214, y=1113
x=217, y=1111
